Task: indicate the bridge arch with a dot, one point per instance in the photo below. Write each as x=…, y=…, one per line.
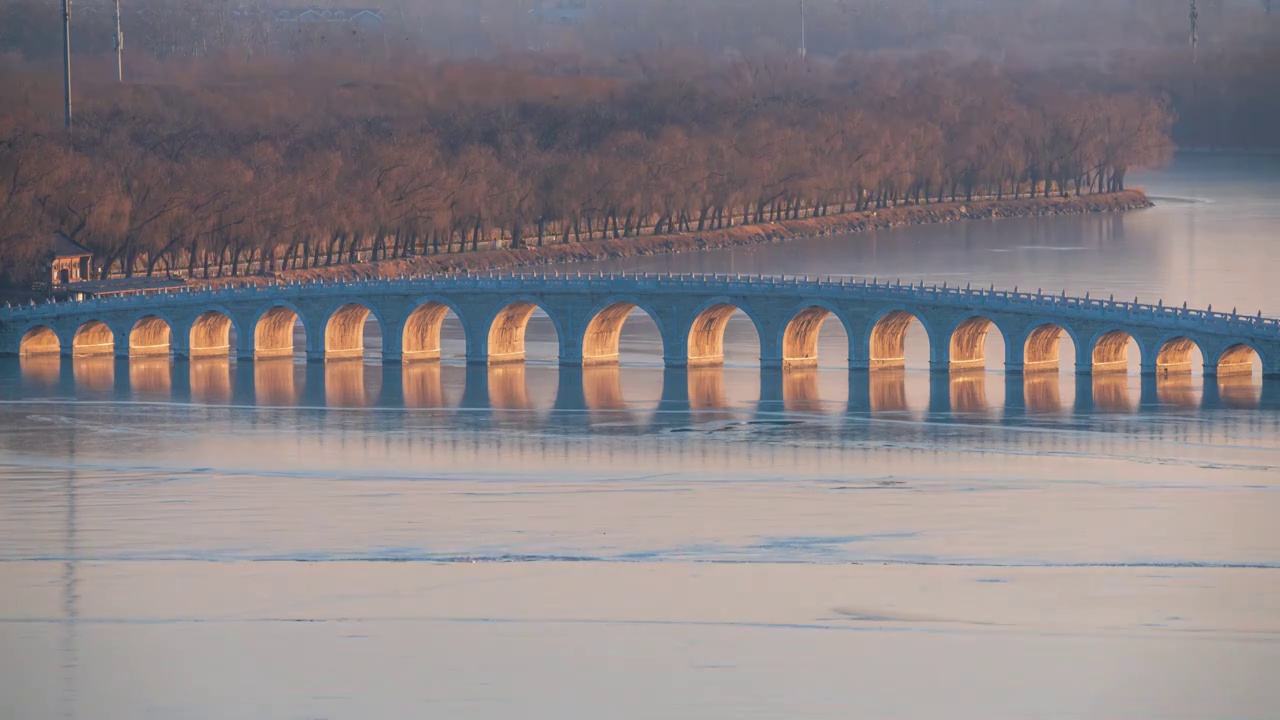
x=968, y=342
x=601, y=338
x=273, y=330
x=1109, y=350
x=421, y=337
x=705, y=342
x=150, y=335
x=210, y=334
x=39, y=340
x=344, y=329
x=1175, y=355
x=1042, y=345
x=507, y=327
x=1239, y=359
x=886, y=337
x=799, y=334
x=93, y=337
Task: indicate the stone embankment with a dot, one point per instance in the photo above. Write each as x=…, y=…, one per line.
x=737, y=236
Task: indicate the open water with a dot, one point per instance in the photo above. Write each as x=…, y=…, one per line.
x=291, y=540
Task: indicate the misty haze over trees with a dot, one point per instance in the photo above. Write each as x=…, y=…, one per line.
x=242, y=143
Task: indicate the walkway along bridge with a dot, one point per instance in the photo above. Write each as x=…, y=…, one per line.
x=690, y=311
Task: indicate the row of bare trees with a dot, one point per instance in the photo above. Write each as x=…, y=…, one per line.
x=246, y=167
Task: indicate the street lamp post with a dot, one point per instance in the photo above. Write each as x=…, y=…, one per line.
x=804, y=50
x=66, y=61
x=119, y=46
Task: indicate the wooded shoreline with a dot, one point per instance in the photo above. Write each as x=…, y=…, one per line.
x=737, y=236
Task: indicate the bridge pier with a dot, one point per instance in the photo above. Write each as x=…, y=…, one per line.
x=675, y=390
x=773, y=395
x=120, y=347
x=391, y=393
x=1149, y=392
x=180, y=374
x=570, y=389
x=1270, y=394
x=859, y=391
x=940, y=393
x=1083, y=403
x=1015, y=392
x=243, y=382
x=475, y=391
x=314, y=388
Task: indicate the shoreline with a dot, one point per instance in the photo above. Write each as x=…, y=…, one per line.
x=737, y=236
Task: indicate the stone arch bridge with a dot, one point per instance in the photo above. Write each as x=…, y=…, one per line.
x=690, y=311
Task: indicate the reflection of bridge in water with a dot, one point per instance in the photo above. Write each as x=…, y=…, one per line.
x=700, y=391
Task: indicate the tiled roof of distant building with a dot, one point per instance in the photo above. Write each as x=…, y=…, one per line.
x=64, y=246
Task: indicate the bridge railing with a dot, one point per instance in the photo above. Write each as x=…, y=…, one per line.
x=821, y=287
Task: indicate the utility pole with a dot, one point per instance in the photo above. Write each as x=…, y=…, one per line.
x=66, y=60
x=1195, y=35
x=119, y=46
x=803, y=49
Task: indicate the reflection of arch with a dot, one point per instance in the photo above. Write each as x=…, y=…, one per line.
x=507, y=331
x=1041, y=351
x=706, y=388
x=888, y=390
x=1111, y=351
x=706, y=332
x=1238, y=390
x=800, y=334
x=1174, y=356
x=210, y=379
x=423, y=386
x=887, y=337
x=274, y=382
x=344, y=331
x=1238, y=360
x=211, y=334
x=39, y=340
x=273, y=331
x=150, y=376
x=421, y=338
x=94, y=372
x=94, y=337
x=969, y=344
x=602, y=388
x=345, y=385
x=1111, y=392
x=1041, y=392
x=1176, y=388
x=150, y=335
x=508, y=389
x=40, y=369
x=600, y=341
x=800, y=390
x=968, y=392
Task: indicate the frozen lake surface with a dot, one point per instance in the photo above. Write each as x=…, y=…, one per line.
x=278, y=540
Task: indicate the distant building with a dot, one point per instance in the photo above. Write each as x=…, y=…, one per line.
x=567, y=12
x=359, y=17
x=69, y=260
